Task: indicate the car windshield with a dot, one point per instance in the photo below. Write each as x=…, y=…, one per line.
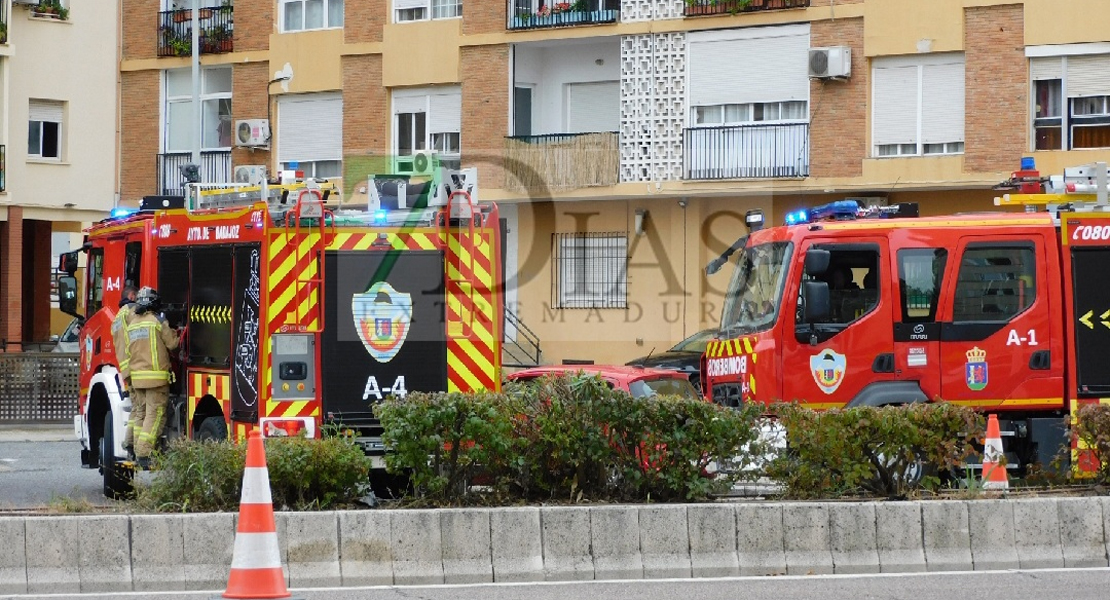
x=695, y=343
x=662, y=386
x=755, y=291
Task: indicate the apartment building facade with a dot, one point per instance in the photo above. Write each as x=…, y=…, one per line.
x=625, y=140
x=58, y=123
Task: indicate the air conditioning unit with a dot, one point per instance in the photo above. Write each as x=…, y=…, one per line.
x=834, y=62
x=25, y=2
x=252, y=132
x=421, y=163
x=250, y=174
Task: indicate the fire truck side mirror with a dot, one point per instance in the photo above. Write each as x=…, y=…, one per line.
x=67, y=294
x=67, y=262
x=815, y=295
x=817, y=262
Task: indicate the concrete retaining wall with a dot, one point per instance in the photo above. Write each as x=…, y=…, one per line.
x=110, y=553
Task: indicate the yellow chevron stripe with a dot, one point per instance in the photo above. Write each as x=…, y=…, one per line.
x=751, y=383
x=481, y=362
x=455, y=364
x=424, y=240
x=747, y=345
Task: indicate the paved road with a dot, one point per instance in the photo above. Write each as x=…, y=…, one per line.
x=41, y=465
x=1075, y=584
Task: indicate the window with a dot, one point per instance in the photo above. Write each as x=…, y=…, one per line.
x=429, y=119
x=995, y=283
x=1071, y=97
x=310, y=134
x=301, y=15
x=215, y=109
x=591, y=270
x=853, y=278
x=44, y=129
x=920, y=272
x=918, y=105
x=755, y=112
x=95, y=283
x=419, y=10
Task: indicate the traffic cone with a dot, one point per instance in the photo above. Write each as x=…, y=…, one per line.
x=994, y=472
x=256, y=562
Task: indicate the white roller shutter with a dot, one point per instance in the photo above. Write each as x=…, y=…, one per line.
x=403, y=4
x=593, y=107
x=762, y=65
x=1089, y=75
x=310, y=127
x=1046, y=68
x=894, y=105
x=942, y=103
x=410, y=104
x=45, y=110
x=445, y=113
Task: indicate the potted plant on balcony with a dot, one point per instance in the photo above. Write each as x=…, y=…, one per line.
x=716, y=7
x=216, y=39
x=178, y=43
x=52, y=9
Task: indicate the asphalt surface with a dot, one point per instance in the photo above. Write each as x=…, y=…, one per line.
x=40, y=467
x=1073, y=584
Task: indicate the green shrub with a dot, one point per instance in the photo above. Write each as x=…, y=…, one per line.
x=445, y=441
x=885, y=451
x=208, y=476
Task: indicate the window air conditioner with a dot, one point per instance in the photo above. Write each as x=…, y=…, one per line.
x=25, y=2
x=250, y=174
x=834, y=62
x=252, y=132
x=420, y=163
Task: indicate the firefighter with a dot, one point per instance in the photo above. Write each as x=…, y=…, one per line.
x=119, y=339
x=151, y=340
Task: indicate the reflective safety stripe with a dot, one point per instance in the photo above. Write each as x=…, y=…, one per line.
x=256, y=551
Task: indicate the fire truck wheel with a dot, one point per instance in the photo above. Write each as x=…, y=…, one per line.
x=117, y=478
x=213, y=429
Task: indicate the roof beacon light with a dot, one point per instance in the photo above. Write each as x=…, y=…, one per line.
x=797, y=217
x=120, y=212
x=843, y=210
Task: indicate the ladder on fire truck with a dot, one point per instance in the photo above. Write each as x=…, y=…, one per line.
x=457, y=224
x=1084, y=188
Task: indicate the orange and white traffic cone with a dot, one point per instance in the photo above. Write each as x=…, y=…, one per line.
x=994, y=472
x=256, y=562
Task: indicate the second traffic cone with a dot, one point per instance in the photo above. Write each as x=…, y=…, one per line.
x=256, y=562
x=994, y=472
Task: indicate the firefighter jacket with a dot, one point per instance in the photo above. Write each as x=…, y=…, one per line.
x=151, y=339
x=120, y=338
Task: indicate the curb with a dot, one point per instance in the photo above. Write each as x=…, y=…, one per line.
x=121, y=553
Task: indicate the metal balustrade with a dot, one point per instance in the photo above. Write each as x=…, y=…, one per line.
x=175, y=31
x=747, y=151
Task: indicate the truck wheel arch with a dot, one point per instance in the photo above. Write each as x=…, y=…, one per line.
x=99, y=402
x=886, y=393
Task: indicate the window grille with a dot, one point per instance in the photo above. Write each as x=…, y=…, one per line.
x=590, y=270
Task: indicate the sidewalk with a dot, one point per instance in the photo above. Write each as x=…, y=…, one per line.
x=32, y=432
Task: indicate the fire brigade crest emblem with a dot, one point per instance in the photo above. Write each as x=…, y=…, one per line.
x=976, y=369
x=827, y=368
x=382, y=317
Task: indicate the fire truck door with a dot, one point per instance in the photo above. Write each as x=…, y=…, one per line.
x=830, y=363
x=916, y=327
x=996, y=333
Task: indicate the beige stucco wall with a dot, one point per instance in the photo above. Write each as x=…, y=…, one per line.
x=314, y=58
x=73, y=61
x=1075, y=21
x=893, y=27
x=421, y=53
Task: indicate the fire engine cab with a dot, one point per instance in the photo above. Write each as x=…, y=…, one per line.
x=1006, y=312
x=300, y=313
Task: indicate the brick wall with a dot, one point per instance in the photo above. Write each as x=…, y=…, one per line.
x=37, y=267
x=838, y=109
x=139, y=134
x=364, y=19
x=249, y=98
x=484, y=71
x=365, y=106
x=140, y=28
x=484, y=16
x=255, y=20
x=997, y=94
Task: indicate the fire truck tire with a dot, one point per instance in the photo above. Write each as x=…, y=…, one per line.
x=212, y=429
x=117, y=478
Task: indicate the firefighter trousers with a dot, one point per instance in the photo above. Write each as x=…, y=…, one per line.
x=148, y=417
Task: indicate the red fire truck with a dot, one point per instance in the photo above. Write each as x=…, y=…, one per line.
x=1005, y=312
x=299, y=314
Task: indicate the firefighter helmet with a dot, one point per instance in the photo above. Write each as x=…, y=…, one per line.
x=147, y=300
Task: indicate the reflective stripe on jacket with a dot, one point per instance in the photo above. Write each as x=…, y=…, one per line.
x=151, y=340
x=121, y=340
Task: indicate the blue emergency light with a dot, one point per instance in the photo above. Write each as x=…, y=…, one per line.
x=120, y=212
x=797, y=217
x=380, y=216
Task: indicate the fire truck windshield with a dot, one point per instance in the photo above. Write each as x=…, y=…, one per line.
x=755, y=291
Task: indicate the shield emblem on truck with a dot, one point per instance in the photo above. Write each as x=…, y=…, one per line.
x=382, y=317
x=976, y=369
x=827, y=368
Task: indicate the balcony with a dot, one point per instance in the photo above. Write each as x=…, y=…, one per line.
x=747, y=152
x=562, y=161
x=3, y=23
x=175, y=31
x=696, y=8
x=545, y=14
x=215, y=167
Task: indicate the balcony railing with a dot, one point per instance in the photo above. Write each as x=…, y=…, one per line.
x=720, y=7
x=215, y=167
x=3, y=22
x=175, y=31
x=747, y=151
x=561, y=161
x=542, y=14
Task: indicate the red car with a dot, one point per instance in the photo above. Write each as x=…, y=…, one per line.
x=637, y=381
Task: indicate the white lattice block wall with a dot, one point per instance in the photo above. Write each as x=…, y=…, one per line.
x=647, y=10
x=653, y=99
